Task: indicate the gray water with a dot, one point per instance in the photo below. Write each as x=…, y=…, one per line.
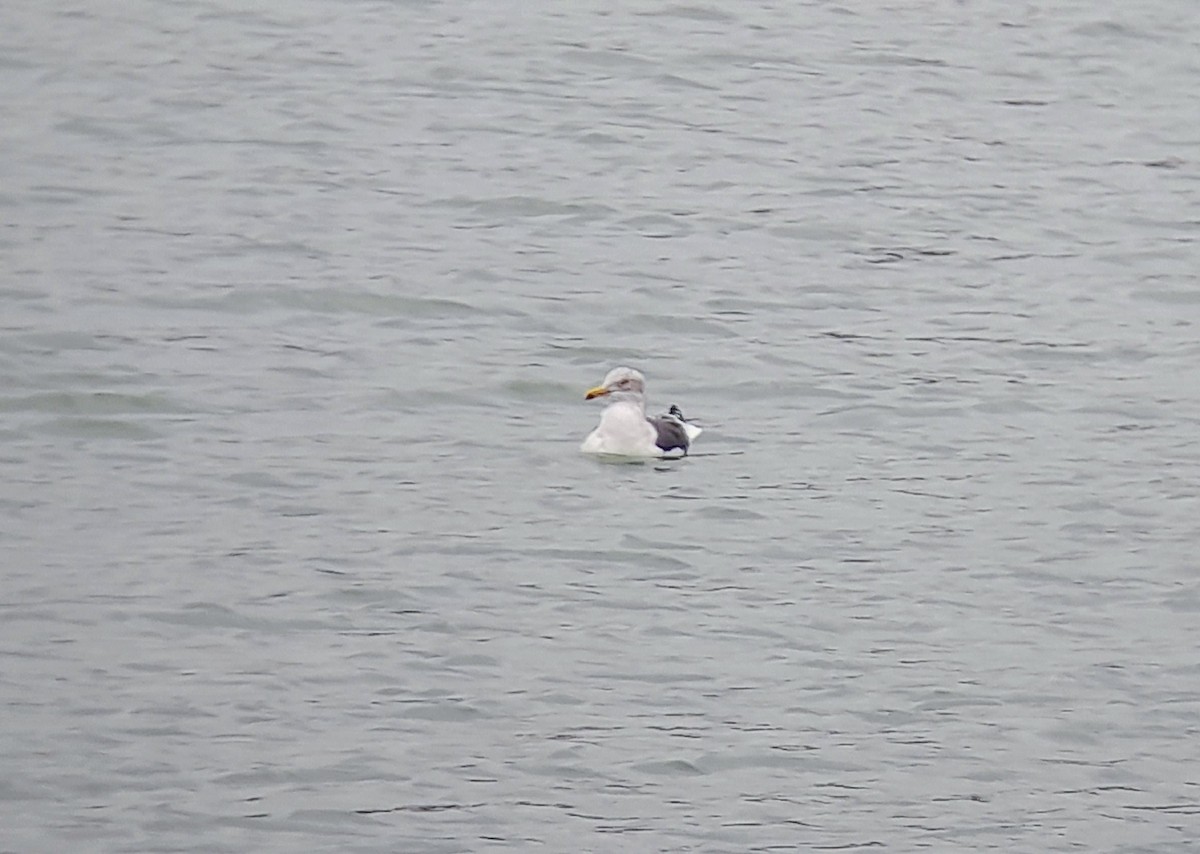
x=300, y=300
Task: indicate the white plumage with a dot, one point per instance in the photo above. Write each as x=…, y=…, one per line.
x=624, y=429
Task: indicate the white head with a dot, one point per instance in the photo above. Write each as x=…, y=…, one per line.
x=620, y=384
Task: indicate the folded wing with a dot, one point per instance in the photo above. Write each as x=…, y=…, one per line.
x=672, y=433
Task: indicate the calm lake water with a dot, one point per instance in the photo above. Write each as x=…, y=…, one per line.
x=300, y=300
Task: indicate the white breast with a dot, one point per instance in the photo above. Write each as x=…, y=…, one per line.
x=623, y=430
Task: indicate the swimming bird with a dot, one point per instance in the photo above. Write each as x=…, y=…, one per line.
x=624, y=429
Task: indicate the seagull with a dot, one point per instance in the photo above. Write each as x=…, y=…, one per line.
x=624, y=429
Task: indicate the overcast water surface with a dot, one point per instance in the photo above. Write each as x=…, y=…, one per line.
x=299, y=304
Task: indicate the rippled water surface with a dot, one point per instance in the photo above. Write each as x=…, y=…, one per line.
x=300, y=301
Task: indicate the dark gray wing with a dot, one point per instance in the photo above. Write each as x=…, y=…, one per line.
x=671, y=434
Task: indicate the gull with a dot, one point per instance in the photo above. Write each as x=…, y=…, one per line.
x=624, y=429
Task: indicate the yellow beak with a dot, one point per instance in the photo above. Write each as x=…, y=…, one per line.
x=598, y=391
